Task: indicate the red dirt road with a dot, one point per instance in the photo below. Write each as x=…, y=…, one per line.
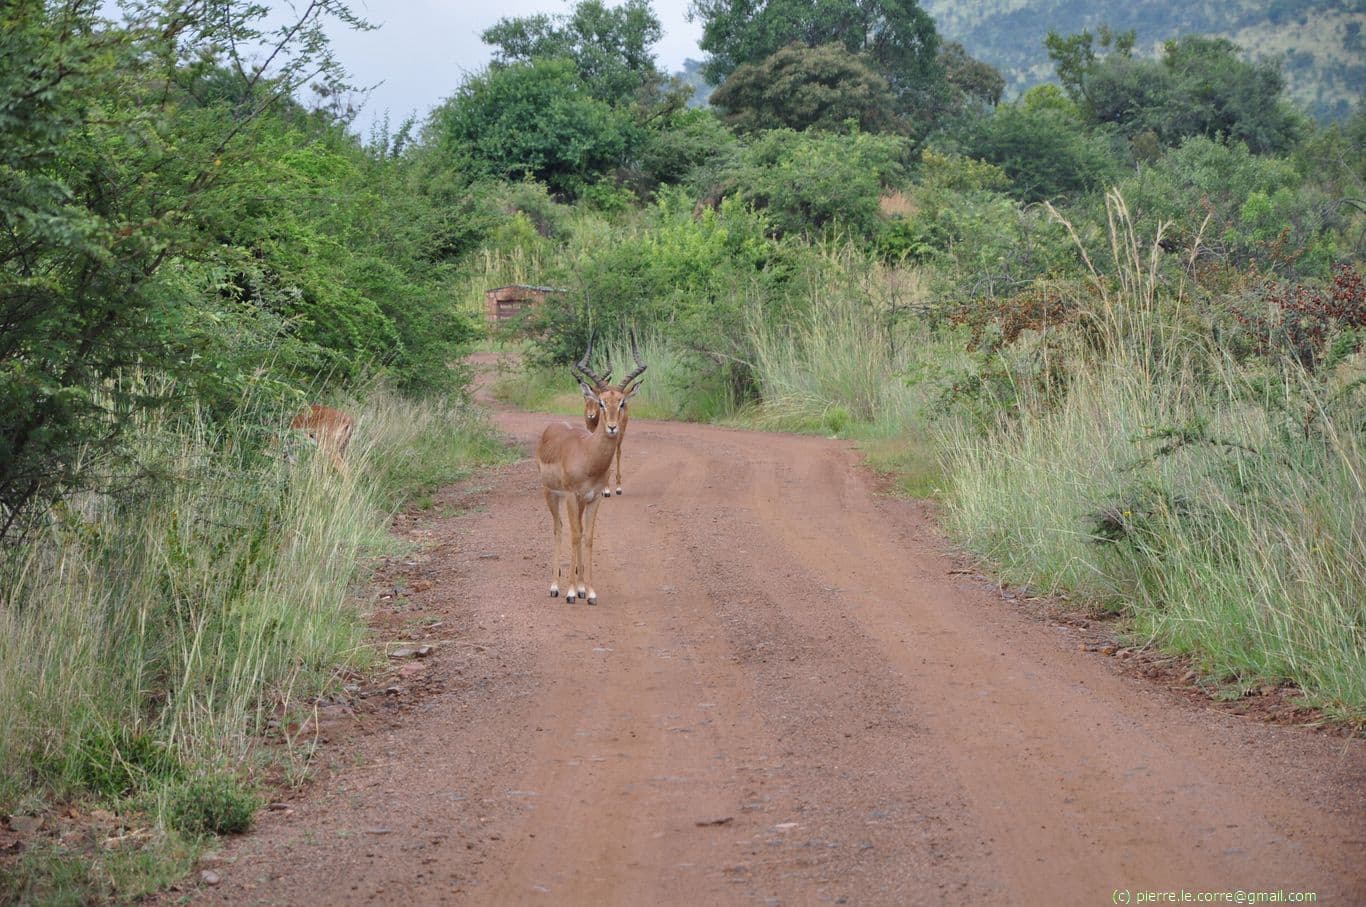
x=788, y=694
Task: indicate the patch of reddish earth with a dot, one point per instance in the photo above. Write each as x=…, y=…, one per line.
x=791, y=692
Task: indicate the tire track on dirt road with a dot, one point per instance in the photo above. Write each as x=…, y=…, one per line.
x=783, y=656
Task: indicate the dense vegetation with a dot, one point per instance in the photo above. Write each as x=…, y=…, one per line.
x=188, y=255
x=1115, y=324
x=1318, y=42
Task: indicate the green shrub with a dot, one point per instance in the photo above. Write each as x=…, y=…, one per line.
x=679, y=149
x=1244, y=208
x=536, y=119
x=1046, y=153
x=964, y=223
x=690, y=278
x=217, y=804
x=530, y=200
x=113, y=761
x=817, y=183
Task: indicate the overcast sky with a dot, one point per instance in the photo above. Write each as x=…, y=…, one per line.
x=423, y=48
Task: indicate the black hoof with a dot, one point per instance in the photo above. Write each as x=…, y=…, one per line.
x=592, y=599
x=606, y=493
x=569, y=599
x=554, y=593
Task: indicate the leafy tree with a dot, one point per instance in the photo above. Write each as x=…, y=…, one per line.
x=1201, y=86
x=1215, y=92
x=347, y=248
x=970, y=82
x=800, y=87
x=897, y=37
x=677, y=147
x=536, y=119
x=611, y=48
x=1075, y=57
x=1046, y=152
x=814, y=182
x=118, y=148
x=1049, y=97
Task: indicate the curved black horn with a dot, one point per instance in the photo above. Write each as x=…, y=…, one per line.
x=640, y=366
x=582, y=365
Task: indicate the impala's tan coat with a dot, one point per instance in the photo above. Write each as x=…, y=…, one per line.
x=573, y=464
x=591, y=410
x=590, y=420
x=330, y=429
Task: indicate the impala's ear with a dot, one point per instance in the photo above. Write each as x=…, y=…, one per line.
x=631, y=391
x=589, y=393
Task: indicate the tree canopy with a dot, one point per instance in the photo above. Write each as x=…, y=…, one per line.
x=800, y=87
x=1200, y=86
x=610, y=47
x=1046, y=152
x=537, y=119
x=896, y=37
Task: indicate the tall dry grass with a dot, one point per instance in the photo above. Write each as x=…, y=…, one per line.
x=150, y=631
x=1165, y=481
x=848, y=365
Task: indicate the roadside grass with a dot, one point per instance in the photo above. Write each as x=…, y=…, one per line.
x=914, y=463
x=1219, y=504
x=1243, y=550
x=65, y=875
x=854, y=368
x=539, y=389
x=148, y=633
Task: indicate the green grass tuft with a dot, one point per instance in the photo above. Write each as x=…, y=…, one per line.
x=218, y=804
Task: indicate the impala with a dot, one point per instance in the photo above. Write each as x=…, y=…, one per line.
x=328, y=428
x=574, y=464
x=591, y=410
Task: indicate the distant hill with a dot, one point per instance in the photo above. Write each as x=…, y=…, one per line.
x=1318, y=42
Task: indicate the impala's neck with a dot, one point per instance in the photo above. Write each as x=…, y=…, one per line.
x=601, y=446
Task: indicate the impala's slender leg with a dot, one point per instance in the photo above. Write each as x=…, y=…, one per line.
x=571, y=503
x=587, y=507
x=619, y=466
x=591, y=518
x=552, y=501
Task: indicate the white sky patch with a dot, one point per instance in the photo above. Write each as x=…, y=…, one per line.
x=425, y=48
